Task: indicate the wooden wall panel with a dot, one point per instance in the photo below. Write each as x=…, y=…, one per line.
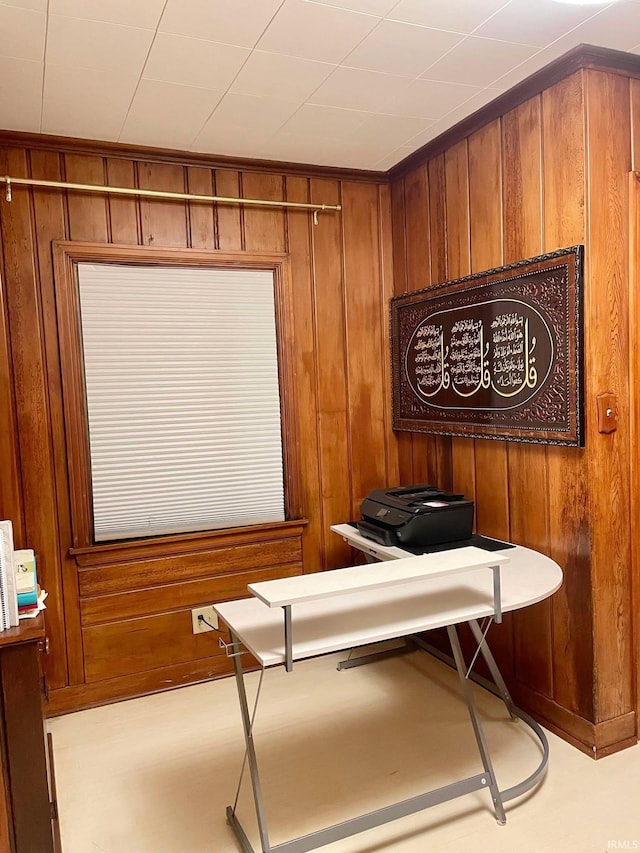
x=299, y=227
x=635, y=124
x=163, y=223
x=634, y=419
x=50, y=219
x=437, y=219
x=569, y=534
x=387, y=292
x=131, y=646
x=456, y=166
x=34, y=433
x=331, y=357
x=10, y=482
x=228, y=216
x=438, y=246
x=341, y=281
x=264, y=227
x=485, y=222
x=399, y=238
x=201, y=214
x=607, y=359
x=174, y=596
x=490, y=457
x=527, y=463
x=127, y=575
x=87, y=213
x=124, y=219
x=365, y=335
x=418, y=260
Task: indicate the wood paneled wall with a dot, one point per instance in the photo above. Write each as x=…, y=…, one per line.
x=551, y=173
x=119, y=621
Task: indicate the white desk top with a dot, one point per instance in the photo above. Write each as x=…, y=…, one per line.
x=295, y=590
x=361, y=617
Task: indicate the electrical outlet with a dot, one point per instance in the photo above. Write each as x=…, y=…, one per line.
x=199, y=627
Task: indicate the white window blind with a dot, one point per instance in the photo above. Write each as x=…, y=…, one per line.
x=183, y=400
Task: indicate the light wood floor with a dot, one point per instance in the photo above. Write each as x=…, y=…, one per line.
x=154, y=775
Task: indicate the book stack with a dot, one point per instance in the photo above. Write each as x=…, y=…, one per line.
x=20, y=595
x=26, y=580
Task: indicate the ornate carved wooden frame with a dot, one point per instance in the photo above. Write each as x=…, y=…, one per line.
x=493, y=355
x=66, y=256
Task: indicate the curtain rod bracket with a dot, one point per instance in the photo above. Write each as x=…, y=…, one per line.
x=7, y=182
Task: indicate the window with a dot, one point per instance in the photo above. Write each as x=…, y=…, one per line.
x=180, y=385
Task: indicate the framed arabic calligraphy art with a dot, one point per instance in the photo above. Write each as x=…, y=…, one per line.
x=494, y=355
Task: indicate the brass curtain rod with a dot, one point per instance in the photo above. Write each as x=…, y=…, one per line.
x=97, y=188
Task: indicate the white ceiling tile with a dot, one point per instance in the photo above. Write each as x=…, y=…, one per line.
x=247, y=116
x=536, y=23
x=35, y=5
x=402, y=49
x=463, y=111
x=229, y=141
x=478, y=61
x=384, y=131
x=297, y=98
x=429, y=99
x=460, y=16
x=299, y=148
x=276, y=76
x=353, y=88
x=141, y=13
x=193, y=62
x=530, y=66
x=371, y=7
x=22, y=33
x=325, y=122
x=240, y=22
x=85, y=87
x=168, y=114
x=78, y=118
x=617, y=27
x=424, y=136
x=315, y=31
x=396, y=156
x=367, y=153
x=20, y=94
x=97, y=45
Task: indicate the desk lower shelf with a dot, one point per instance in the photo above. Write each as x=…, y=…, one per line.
x=359, y=618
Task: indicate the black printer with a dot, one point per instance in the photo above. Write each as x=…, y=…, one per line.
x=415, y=516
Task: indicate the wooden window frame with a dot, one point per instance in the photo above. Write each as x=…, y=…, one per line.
x=66, y=255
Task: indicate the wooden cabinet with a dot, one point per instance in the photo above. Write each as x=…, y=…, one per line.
x=27, y=800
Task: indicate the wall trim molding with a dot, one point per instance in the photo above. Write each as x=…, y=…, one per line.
x=594, y=739
x=576, y=59
x=150, y=154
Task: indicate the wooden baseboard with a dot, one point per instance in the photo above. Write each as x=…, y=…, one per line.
x=78, y=698
x=595, y=739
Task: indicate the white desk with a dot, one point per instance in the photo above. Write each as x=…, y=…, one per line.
x=360, y=605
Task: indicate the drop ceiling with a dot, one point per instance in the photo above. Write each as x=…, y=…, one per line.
x=352, y=83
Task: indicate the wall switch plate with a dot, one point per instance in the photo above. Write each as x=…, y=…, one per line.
x=607, y=405
x=200, y=627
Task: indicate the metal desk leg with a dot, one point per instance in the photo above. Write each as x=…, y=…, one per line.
x=498, y=680
x=288, y=639
x=253, y=763
x=497, y=594
x=475, y=721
